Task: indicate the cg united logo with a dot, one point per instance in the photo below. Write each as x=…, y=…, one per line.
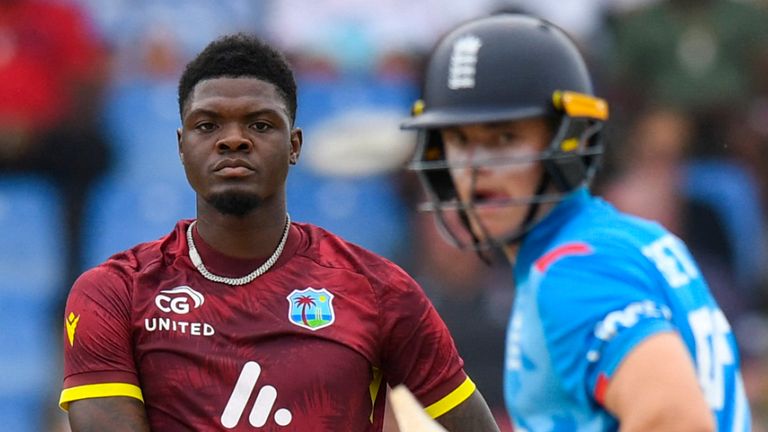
x=311, y=308
x=178, y=301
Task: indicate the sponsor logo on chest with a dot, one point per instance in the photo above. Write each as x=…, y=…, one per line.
x=261, y=407
x=176, y=303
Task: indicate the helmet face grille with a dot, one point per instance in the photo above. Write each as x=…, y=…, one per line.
x=570, y=162
x=503, y=68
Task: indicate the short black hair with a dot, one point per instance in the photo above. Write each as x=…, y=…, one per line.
x=240, y=55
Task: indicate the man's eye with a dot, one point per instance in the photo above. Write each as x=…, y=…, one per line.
x=261, y=126
x=506, y=138
x=206, y=126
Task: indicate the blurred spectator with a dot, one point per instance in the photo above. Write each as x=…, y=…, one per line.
x=52, y=73
x=709, y=59
x=698, y=55
x=584, y=20
x=650, y=168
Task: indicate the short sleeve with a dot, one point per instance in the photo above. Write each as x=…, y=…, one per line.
x=419, y=350
x=595, y=309
x=98, y=354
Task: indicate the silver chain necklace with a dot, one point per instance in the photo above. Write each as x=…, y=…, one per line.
x=198, y=262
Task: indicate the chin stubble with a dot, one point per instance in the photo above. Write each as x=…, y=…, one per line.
x=234, y=203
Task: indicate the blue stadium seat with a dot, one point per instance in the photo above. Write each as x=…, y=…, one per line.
x=31, y=273
x=364, y=209
x=147, y=192
x=142, y=118
x=123, y=212
x=319, y=99
x=31, y=256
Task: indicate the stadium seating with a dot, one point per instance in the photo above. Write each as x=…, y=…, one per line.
x=126, y=211
x=31, y=270
x=147, y=192
x=142, y=118
x=365, y=208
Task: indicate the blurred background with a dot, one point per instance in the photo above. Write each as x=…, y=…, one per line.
x=89, y=165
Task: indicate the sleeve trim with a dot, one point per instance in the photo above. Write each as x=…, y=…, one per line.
x=98, y=390
x=452, y=399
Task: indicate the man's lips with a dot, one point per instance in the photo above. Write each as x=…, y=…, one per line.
x=489, y=195
x=491, y=199
x=233, y=168
x=232, y=163
x=234, y=171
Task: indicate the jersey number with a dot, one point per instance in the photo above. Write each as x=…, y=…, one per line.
x=713, y=353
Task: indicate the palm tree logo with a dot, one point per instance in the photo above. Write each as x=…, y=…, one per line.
x=304, y=302
x=311, y=308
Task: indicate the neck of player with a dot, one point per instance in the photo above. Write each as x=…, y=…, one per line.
x=254, y=235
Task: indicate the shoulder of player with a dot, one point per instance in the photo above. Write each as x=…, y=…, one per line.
x=101, y=285
x=163, y=250
x=331, y=250
x=603, y=262
x=602, y=223
x=607, y=238
x=591, y=259
x=124, y=266
x=614, y=250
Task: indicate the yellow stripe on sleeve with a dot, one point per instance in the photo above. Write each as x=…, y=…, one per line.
x=374, y=388
x=452, y=399
x=98, y=390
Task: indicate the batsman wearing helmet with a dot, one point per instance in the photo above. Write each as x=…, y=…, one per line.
x=613, y=326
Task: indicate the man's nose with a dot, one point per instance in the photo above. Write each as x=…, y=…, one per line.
x=234, y=138
x=475, y=158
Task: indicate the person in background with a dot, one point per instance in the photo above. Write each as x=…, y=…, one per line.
x=241, y=318
x=613, y=326
x=52, y=75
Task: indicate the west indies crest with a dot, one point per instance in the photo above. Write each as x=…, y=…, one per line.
x=311, y=308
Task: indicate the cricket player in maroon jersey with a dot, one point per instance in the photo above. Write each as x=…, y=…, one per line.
x=241, y=319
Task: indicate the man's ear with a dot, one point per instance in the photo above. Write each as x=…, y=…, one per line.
x=178, y=141
x=297, y=138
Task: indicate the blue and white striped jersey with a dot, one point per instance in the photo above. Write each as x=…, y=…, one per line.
x=592, y=283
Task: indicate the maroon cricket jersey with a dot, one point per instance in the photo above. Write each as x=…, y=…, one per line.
x=308, y=346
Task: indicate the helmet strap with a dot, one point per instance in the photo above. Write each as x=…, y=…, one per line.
x=482, y=253
x=533, y=209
